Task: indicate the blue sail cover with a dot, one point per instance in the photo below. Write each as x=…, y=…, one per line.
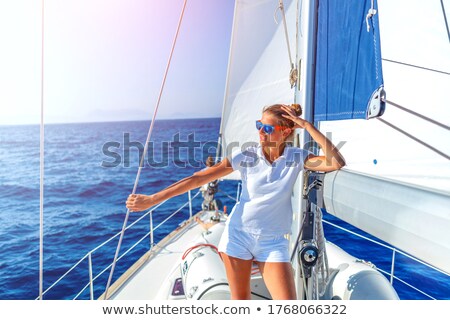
x=348, y=61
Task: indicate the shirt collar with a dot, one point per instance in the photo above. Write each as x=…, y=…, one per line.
x=260, y=153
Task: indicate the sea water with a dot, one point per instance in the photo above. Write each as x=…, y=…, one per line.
x=90, y=169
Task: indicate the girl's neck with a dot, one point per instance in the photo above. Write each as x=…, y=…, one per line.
x=273, y=153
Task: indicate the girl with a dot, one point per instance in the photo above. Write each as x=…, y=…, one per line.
x=258, y=223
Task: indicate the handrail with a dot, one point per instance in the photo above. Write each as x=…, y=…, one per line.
x=387, y=247
x=89, y=254
x=394, y=250
x=406, y=283
x=189, y=202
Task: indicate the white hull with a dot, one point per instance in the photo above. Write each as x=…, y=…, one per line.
x=155, y=275
x=159, y=273
x=354, y=279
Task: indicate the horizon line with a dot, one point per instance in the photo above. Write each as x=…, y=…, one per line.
x=109, y=121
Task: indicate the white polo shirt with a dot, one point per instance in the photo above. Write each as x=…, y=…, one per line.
x=265, y=205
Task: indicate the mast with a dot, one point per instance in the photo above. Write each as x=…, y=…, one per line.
x=304, y=94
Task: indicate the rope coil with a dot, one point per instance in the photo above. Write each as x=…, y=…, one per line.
x=293, y=74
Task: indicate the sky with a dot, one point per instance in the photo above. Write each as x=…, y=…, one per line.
x=104, y=60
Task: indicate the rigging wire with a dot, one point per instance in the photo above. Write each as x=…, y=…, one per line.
x=221, y=140
x=298, y=31
x=445, y=19
x=227, y=195
x=416, y=66
x=41, y=166
x=415, y=139
x=145, y=149
x=299, y=18
x=416, y=114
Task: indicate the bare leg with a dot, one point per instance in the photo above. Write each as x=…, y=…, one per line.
x=238, y=275
x=279, y=279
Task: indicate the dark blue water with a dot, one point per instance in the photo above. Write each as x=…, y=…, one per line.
x=89, y=171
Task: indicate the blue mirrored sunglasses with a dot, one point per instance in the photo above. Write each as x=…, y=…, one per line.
x=267, y=128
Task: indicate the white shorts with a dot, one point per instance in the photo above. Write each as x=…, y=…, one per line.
x=247, y=246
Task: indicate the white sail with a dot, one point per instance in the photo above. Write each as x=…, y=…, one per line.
x=259, y=66
x=413, y=219
x=397, y=187
x=415, y=55
x=416, y=67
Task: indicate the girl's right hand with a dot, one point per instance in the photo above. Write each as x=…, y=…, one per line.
x=139, y=202
x=299, y=122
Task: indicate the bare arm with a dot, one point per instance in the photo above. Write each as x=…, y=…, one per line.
x=332, y=159
x=139, y=202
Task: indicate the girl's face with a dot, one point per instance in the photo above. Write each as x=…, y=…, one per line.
x=277, y=137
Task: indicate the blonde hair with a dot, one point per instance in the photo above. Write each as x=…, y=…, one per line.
x=276, y=111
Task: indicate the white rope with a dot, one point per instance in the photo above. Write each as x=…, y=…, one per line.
x=369, y=15
x=41, y=169
x=281, y=8
x=145, y=151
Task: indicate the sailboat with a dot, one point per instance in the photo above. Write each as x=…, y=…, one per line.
x=374, y=80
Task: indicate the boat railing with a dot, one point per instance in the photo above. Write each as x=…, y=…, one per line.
x=149, y=235
x=391, y=274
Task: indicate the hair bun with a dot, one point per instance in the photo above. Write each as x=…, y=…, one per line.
x=297, y=109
